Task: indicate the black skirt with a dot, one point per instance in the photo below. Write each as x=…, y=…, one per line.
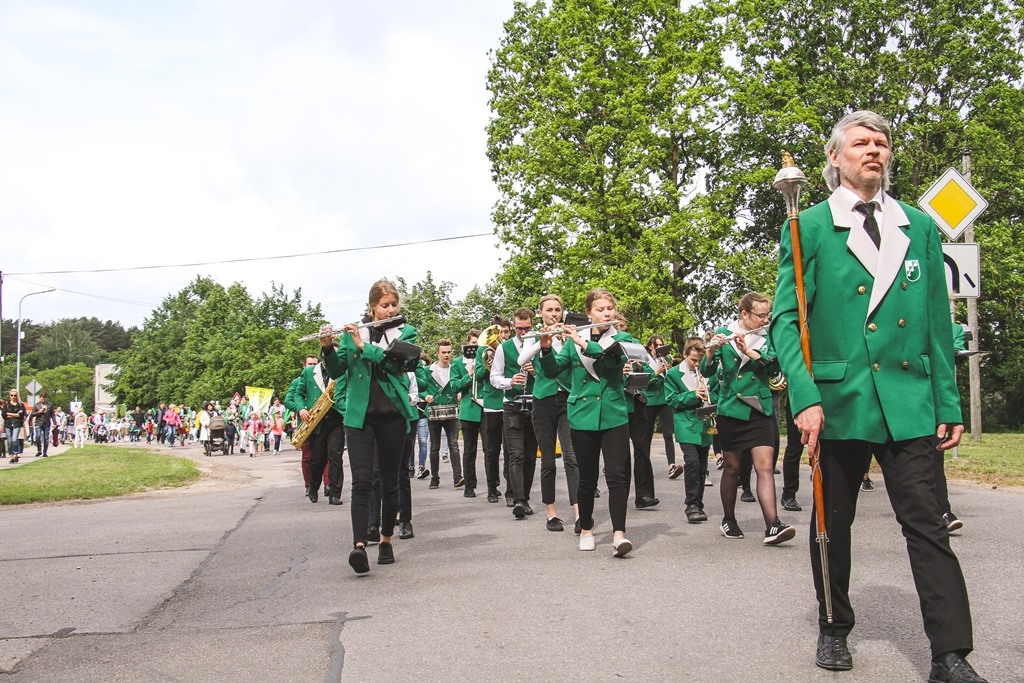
x=739, y=435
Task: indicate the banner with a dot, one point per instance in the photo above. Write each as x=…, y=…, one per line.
x=259, y=398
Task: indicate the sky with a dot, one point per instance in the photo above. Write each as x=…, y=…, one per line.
x=145, y=134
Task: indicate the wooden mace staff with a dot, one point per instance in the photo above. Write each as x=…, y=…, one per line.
x=789, y=181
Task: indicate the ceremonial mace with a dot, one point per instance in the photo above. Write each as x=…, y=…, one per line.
x=789, y=181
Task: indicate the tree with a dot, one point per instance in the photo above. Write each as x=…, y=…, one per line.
x=67, y=342
x=65, y=383
x=427, y=305
x=605, y=116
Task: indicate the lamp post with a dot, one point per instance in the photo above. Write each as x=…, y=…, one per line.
x=17, y=372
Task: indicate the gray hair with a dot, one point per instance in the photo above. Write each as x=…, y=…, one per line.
x=867, y=119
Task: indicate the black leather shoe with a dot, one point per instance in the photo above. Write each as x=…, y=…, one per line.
x=358, y=561
x=385, y=554
x=334, y=500
x=405, y=530
x=460, y=482
x=469, y=493
x=833, y=654
x=952, y=668
x=518, y=511
x=492, y=496
x=555, y=524
x=372, y=534
x=509, y=502
x=748, y=496
x=577, y=527
x=791, y=505
x=314, y=495
x=527, y=508
x=646, y=502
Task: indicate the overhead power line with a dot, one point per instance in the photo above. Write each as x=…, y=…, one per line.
x=254, y=258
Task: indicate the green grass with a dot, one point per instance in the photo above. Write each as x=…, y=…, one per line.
x=93, y=472
x=998, y=460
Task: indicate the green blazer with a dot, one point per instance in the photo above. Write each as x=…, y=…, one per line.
x=544, y=386
x=469, y=410
x=428, y=386
x=688, y=427
x=494, y=399
x=880, y=345
x=303, y=392
x=594, y=403
x=736, y=383
x=357, y=366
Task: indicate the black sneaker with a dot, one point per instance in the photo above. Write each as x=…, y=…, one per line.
x=518, y=511
x=372, y=535
x=435, y=483
x=730, y=529
x=952, y=521
x=460, y=481
x=492, y=496
x=423, y=473
x=748, y=496
x=357, y=560
x=791, y=505
x=469, y=493
x=719, y=463
x=555, y=524
x=833, y=653
x=385, y=554
x=778, y=533
x=866, y=485
x=577, y=527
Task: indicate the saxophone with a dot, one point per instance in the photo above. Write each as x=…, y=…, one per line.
x=316, y=413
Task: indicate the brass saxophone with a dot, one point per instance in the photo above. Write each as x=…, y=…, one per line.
x=316, y=413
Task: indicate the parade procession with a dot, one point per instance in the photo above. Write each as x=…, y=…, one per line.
x=559, y=340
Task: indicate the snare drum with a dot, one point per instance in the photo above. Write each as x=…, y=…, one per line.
x=445, y=412
x=525, y=403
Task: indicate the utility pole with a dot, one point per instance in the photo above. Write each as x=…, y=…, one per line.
x=974, y=361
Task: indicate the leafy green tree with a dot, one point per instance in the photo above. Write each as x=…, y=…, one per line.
x=65, y=383
x=427, y=305
x=67, y=342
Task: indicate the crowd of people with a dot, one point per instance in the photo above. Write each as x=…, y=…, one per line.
x=859, y=331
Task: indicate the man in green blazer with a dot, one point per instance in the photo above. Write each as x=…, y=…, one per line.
x=470, y=411
x=438, y=386
x=882, y=380
x=327, y=442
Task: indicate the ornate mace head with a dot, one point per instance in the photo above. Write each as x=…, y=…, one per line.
x=789, y=181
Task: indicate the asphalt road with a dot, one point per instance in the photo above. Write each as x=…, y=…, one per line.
x=241, y=578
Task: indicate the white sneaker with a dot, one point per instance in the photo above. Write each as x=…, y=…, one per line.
x=622, y=546
x=586, y=541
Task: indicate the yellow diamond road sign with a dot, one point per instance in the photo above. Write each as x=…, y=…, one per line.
x=953, y=203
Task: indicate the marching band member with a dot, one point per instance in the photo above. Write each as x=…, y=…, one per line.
x=551, y=420
x=437, y=388
x=640, y=429
x=598, y=417
x=491, y=425
x=521, y=444
x=658, y=409
x=685, y=391
x=470, y=413
x=743, y=356
x=376, y=417
x=323, y=451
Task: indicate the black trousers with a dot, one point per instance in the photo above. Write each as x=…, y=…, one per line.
x=386, y=437
x=470, y=435
x=493, y=428
x=590, y=446
x=791, y=458
x=327, y=447
x=665, y=414
x=451, y=429
x=550, y=420
x=907, y=467
x=521, y=451
x=404, y=482
x=695, y=470
x=643, y=472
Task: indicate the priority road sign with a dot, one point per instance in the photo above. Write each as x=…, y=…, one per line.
x=953, y=203
x=963, y=270
x=33, y=387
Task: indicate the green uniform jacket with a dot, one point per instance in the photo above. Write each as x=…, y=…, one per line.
x=469, y=410
x=544, y=386
x=656, y=390
x=880, y=346
x=493, y=399
x=428, y=386
x=304, y=391
x=511, y=356
x=356, y=366
x=593, y=404
x=688, y=427
x=735, y=384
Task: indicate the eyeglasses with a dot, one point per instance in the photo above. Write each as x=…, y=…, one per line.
x=523, y=329
x=760, y=316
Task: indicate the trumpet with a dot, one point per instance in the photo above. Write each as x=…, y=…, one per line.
x=715, y=343
x=561, y=329
x=386, y=323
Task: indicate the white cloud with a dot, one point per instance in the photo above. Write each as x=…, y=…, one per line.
x=135, y=136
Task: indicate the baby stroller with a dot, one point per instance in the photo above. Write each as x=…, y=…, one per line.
x=218, y=440
x=100, y=433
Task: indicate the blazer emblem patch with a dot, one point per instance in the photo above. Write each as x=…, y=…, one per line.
x=912, y=267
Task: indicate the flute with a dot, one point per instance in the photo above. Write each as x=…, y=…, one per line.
x=561, y=329
x=331, y=332
x=715, y=343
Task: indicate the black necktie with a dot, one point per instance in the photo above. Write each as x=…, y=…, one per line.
x=870, y=224
x=376, y=334
x=323, y=375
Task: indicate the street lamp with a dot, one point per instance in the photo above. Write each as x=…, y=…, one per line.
x=17, y=375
